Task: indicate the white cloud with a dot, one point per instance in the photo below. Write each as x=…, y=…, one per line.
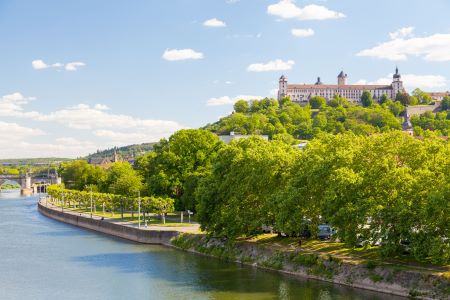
x=13, y=131
x=26, y=149
x=181, y=54
x=402, y=33
x=245, y=35
x=101, y=107
x=412, y=81
x=226, y=100
x=299, y=32
x=108, y=129
x=214, y=23
x=287, y=9
x=12, y=104
x=274, y=65
x=39, y=64
x=435, y=47
x=73, y=66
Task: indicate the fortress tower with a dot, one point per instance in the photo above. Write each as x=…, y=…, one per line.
x=342, y=78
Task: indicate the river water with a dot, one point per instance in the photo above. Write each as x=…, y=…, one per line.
x=43, y=259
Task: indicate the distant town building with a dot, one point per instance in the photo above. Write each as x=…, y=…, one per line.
x=236, y=136
x=104, y=162
x=438, y=96
x=301, y=93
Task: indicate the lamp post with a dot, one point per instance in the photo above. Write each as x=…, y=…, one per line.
x=62, y=207
x=139, y=209
x=91, y=199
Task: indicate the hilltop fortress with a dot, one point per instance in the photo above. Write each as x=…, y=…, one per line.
x=301, y=93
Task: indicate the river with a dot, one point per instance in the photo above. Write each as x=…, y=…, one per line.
x=43, y=259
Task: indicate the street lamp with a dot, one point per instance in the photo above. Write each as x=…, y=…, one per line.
x=91, y=199
x=139, y=209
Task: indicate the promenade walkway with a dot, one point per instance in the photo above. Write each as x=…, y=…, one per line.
x=185, y=228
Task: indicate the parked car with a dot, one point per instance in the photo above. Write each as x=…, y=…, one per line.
x=325, y=232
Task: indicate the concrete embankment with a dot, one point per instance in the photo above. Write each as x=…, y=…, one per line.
x=391, y=279
x=162, y=237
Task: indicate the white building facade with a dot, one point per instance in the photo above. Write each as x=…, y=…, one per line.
x=301, y=93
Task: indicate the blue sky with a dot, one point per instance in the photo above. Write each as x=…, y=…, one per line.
x=77, y=76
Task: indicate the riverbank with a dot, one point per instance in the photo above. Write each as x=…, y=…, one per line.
x=390, y=279
x=150, y=235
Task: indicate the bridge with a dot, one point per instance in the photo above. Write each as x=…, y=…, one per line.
x=32, y=183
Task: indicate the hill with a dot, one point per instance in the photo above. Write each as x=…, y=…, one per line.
x=125, y=151
x=32, y=161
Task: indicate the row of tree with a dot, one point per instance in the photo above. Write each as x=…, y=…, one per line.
x=120, y=178
x=70, y=198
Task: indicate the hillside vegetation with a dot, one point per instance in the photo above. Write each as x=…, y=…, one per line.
x=134, y=150
x=284, y=119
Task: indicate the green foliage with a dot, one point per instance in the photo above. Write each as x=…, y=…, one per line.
x=77, y=174
x=431, y=122
x=366, y=99
x=371, y=264
x=338, y=100
x=317, y=102
x=122, y=179
x=9, y=186
x=403, y=98
x=125, y=151
x=445, y=104
x=274, y=261
x=422, y=97
x=302, y=123
x=236, y=198
x=383, y=99
x=176, y=165
x=241, y=106
x=385, y=188
x=306, y=260
x=160, y=205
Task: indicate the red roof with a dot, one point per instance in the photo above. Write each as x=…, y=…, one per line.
x=340, y=87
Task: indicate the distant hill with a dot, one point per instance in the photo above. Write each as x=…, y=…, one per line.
x=32, y=161
x=125, y=151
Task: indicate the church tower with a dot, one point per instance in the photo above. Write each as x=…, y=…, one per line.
x=397, y=84
x=282, y=87
x=342, y=78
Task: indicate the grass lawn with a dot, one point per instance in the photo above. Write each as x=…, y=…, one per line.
x=356, y=255
x=172, y=219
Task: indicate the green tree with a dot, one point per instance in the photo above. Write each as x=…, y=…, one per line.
x=384, y=98
x=241, y=106
x=423, y=98
x=366, y=99
x=317, y=102
x=445, y=104
x=176, y=165
x=122, y=179
x=338, y=100
x=404, y=98
x=236, y=199
x=77, y=174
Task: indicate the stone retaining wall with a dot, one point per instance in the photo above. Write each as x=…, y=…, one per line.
x=126, y=232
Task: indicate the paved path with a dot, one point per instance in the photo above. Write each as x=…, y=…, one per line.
x=188, y=228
